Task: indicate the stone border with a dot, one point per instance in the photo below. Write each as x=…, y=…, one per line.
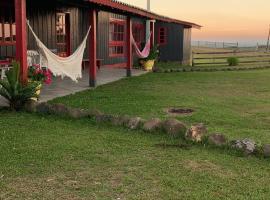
x=196, y=69
x=196, y=134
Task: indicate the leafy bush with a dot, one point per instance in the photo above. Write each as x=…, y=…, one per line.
x=14, y=91
x=233, y=61
x=153, y=55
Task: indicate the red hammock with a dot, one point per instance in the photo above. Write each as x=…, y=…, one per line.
x=146, y=51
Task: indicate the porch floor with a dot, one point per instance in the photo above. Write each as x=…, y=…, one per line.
x=64, y=87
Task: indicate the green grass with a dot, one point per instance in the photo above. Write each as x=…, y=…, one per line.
x=234, y=103
x=47, y=157
x=58, y=158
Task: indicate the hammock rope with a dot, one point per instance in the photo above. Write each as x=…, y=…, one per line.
x=70, y=66
x=146, y=50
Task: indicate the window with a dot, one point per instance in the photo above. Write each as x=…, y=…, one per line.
x=7, y=27
x=162, y=36
x=62, y=34
x=117, y=38
x=138, y=33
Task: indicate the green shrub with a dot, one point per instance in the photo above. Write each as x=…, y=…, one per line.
x=233, y=61
x=14, y=91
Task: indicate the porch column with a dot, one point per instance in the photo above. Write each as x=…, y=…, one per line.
x=129, y=46
x=21, y=37
x=93, y=49
x=152, y=30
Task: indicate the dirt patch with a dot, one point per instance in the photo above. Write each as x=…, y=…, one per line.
x=208, y=167
x=179, y=111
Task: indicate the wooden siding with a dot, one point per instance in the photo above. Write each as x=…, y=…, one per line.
x=187, y=47
x=103, y=39
x=173, y=49
x=43, y=20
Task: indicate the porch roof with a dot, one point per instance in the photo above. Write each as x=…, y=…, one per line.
x=120, y=6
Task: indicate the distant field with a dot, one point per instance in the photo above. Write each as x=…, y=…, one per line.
x=218, y=57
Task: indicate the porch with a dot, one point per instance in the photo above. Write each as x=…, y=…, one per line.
x=65, y=87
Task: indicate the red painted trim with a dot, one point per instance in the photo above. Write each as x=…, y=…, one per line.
x=165, y=41
x=117, y=65
x=129, y=46
x=118, y=21
x=152, y=30
x=21, y=37
x=7, y=43
x=116, y=5
x=117, y=43
x=93, y=48
x=68, y=34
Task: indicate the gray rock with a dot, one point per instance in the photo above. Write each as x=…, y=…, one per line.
x=77, y=113
x=266, y=150
x=103, y=118
x=134, y=123
x=31, y=106
x=94, y=113
x=196, y=132
x=246, y=145
x=120, y=120
x=152, y=125
x=174, y=127
x=59, y=109
x=44, y=108
x=217, y=139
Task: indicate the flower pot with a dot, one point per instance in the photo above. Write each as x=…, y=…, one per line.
x=148, y=65
x=38, y=91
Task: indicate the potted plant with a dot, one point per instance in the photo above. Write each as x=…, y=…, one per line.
x=39, y=75
x=148, y=63
x=16, y=93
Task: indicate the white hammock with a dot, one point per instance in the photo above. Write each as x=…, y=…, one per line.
x=146, y=51
x=69, y=66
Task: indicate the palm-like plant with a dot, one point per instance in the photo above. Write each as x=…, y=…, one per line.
x=16, y=93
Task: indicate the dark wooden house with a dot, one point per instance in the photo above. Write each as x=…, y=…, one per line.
x=62, y=24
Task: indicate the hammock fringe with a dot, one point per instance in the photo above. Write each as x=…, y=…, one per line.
x=63, y=66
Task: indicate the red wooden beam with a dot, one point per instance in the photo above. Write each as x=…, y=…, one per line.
x=152, y=30
x=129, y=46
x=123, y=7
x=21, y=36
x=93, y=49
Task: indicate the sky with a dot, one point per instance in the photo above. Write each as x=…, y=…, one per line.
x=222, y=20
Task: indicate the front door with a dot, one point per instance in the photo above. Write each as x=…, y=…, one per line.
x=63, y=34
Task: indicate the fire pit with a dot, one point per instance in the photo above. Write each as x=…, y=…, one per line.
x=179, y=111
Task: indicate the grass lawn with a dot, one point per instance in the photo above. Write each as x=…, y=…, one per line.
x=234, y=103
x=45, y=157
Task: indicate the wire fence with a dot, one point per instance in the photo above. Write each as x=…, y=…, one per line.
x=219, y=58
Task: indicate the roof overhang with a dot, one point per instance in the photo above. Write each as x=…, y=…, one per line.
x=136, y=11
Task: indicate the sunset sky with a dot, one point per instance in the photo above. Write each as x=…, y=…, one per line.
x=223, y=20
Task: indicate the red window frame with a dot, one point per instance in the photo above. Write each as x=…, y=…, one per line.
x=117, y=37
x=63, y=34
x=138, y=31
x=7, y=27
x=162, y=36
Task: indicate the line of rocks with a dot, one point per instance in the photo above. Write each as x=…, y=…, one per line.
x=196, y=133
x=194, y=69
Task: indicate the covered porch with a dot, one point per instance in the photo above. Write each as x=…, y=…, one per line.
x=65, y=87
x=78, y=15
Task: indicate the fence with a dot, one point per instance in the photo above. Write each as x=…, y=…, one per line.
x=220, y=58
x=217, y=45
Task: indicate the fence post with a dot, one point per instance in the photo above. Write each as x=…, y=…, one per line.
x=192, y=59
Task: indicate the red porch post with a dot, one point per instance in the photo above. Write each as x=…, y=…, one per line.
x=152, y=30
x=93, y=49
x=129, y=46
x=21, y=43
